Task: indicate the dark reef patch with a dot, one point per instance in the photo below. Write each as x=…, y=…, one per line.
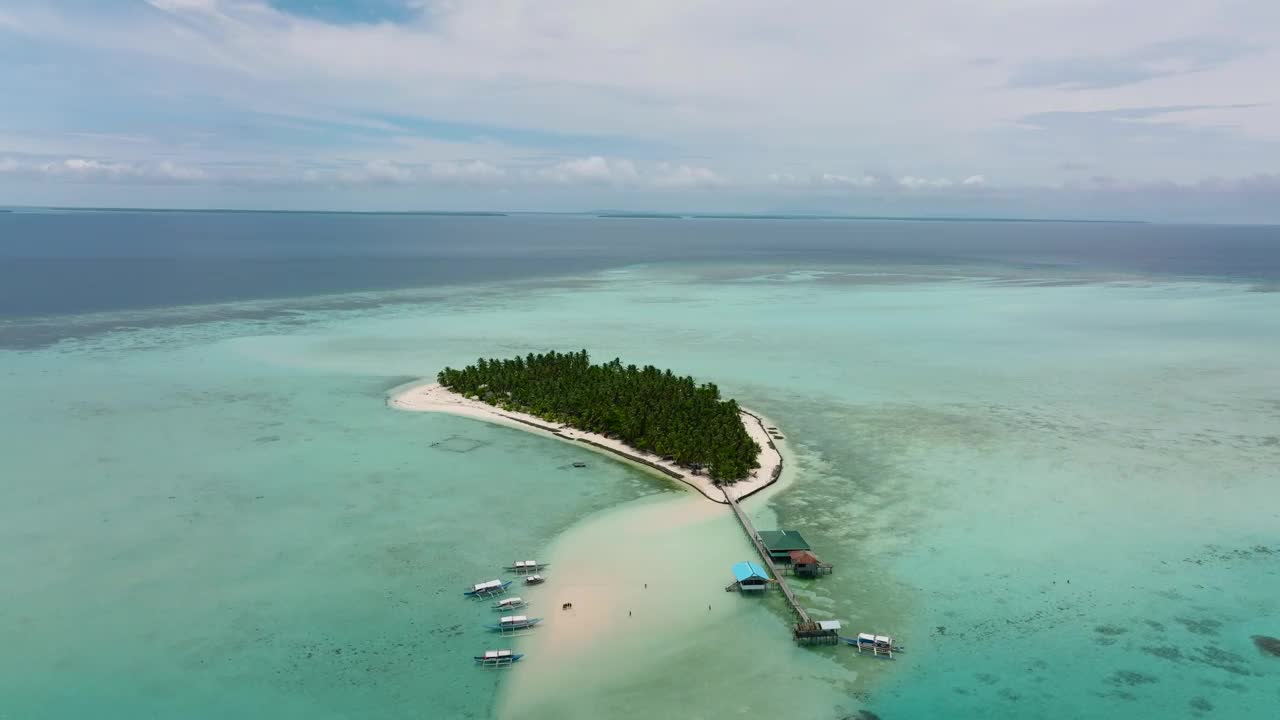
x=1238, y=687
x=1267, y=645
x=1223, y=660
x=1199, y=704
x=1110, y=630
x=1131, y=678
x=1206, y=626
x=1164, y=652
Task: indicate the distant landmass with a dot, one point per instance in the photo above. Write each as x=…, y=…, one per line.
x=442, y=213
x=610, y=214
x=655, y=216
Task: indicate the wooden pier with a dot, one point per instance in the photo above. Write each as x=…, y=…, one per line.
x=768, y=561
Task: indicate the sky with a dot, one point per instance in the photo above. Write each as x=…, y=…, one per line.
x=1145, y=109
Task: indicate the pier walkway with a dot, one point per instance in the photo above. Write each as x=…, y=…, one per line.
x=764, y=555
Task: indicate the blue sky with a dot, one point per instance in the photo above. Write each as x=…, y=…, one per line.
x=1108, y=108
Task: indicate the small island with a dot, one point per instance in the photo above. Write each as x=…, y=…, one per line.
x=652, y=417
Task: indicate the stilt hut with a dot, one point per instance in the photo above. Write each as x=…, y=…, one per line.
x=781, y=543
x=750, y=576
x=805, y=564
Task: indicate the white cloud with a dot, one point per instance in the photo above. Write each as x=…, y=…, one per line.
x=382, y=171
x=178, y=6
x=737, y=85
x=975, y=181
x=174, y=171
x=594, y=169
x=473, y=170
x=913, y=183
x=90, y=170
x=860, y=181
x=82, y=168
x=825, y=179
x=668, y=175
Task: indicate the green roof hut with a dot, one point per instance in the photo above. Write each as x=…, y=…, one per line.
x=781, y=543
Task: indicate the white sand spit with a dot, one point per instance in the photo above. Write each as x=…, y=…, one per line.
x=433, y=397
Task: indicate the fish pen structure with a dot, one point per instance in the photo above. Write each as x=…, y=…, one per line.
x=822, y=632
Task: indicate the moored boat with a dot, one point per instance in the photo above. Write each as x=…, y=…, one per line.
x=497, y=658
x=488, y=589
x=534, y=580
x=511, y=623
x=526, y=566
x=878, y=645
x=510, y=603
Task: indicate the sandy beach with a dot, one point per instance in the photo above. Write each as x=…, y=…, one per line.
x=433, y=397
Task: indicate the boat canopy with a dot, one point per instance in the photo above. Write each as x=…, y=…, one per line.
x=748, y=570
x=492, y=584
x=877, y=639
x=829, y=624
x=514, y=619
x=510, y=601
x=526, y=563
x=492, y=654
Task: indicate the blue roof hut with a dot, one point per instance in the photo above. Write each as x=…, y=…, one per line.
x=750, y=576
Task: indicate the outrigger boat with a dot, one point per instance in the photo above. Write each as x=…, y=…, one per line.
x=488, y=589
x=534, y=580
x=526, y=566
x=512, y=623
x=497, y=658
x=511, y=603
x=878, y=645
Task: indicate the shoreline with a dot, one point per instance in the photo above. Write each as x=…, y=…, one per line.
x=426, y=396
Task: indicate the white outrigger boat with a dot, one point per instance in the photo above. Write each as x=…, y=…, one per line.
x=880, y=646
x=526, y=566
x=497, y=658
x=534, y=580
x=511, y=603
x=510, y=624
x=488, y=589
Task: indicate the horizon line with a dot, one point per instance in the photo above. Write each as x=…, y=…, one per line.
x=611, y=214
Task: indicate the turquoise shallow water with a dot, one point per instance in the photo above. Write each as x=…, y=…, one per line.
x=193, y=533
x=224, y=518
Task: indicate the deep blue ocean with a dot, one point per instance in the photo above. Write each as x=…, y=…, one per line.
x=64, y=262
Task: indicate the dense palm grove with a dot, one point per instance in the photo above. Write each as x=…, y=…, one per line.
x=646, y=408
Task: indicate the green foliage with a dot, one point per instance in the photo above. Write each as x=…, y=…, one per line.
x=646, y=408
